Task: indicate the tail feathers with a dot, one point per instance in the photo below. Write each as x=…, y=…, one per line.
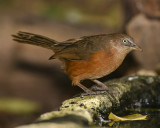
x=34, y=39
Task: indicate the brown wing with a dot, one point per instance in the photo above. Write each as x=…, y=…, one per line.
x=80, y=49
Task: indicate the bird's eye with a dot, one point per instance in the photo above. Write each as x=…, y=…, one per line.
x=125, y=41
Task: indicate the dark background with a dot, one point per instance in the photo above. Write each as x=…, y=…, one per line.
x=30, y=84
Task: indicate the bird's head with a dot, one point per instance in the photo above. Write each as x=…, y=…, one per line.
x=125, y=43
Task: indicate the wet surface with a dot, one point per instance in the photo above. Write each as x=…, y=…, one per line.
x=149, y=107
x=147, y=102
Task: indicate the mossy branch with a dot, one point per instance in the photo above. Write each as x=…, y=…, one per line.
x=81, y=111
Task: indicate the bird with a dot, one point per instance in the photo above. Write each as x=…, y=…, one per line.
x=87, y=57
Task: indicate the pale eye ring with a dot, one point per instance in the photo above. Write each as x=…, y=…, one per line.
x=124, y=41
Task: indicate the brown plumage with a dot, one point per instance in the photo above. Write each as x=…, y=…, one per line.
x=88, y=57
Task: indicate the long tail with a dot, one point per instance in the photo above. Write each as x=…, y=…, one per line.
x=34, y=39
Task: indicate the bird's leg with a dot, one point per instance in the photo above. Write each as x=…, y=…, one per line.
x=102, y=85
x=76, y=82
x=85, y=89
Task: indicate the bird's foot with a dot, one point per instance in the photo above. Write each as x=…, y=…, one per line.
x=95, y=90
x=88, y=93
x=104, y=89
x=93, y=93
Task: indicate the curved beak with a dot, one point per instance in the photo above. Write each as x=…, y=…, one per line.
x=137, y=48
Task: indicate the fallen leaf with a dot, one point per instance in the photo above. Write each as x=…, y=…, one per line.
x=132, y=117
x=127, y=118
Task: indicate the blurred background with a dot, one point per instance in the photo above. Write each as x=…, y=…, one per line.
x=30, y=84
